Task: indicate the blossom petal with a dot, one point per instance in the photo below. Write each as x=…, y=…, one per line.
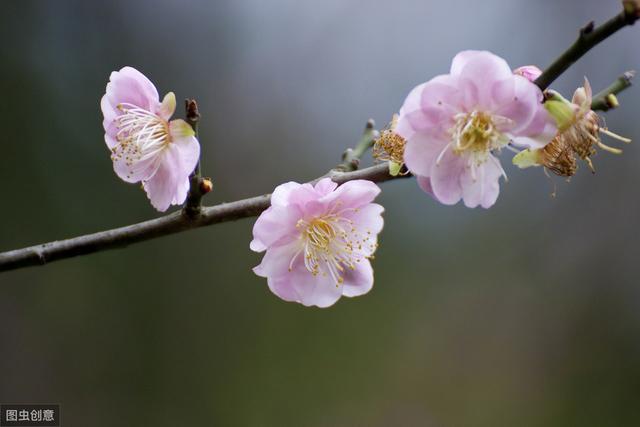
x=428, y=104
x=368, y=218
x=277, y=259
x=485, y=188
x=517, y=99
x=109, y=122
x=162, y=187
x=183, y=138
x=131, y=170
x=479, y=70
x=583, y=97
x=421, y=152
x=325, y=186
x=445, y=178
x=167, y=106
x=282, y=288
x=310, y=290
x=441, y=100
x=274, y=225
x=540, y=131
x=411, y=104
x=461, y=60
x=358, y=281
x=125, y=86
x=480, y=66
x=425, y=184
x=170, y=184
x=353, y=194
x=293, y=193
x=131, y=86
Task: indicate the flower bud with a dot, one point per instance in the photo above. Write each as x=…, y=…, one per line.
x=612, y=101
x=631, y=7
x=206, y=185
x=529, y=72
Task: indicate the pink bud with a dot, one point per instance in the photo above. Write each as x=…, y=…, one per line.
x=529, y=72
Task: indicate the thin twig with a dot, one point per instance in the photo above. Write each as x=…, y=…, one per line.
x=169, y=224
x=351, y=157
x=589, y=37
x=605, y=100
x=193, y=204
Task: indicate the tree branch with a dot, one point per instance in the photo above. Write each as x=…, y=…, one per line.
x=588, y=38
x=169, y=224
x=195, y=216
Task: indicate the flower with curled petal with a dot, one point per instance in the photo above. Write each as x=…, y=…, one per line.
x=145, y=146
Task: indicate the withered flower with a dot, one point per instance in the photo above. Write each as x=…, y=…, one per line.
x=579, y=132
x=390, y=147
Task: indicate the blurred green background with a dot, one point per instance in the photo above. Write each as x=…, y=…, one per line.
x=523, y=315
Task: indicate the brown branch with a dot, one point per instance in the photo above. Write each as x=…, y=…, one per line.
x=194, y=216
x=169, y=224
x=589, y=37
x=197, y=189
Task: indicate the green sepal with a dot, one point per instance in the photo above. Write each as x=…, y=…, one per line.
x=562, y=110
x=527, y=158
x=394, y=168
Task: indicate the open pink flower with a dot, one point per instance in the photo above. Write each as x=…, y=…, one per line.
x=318, y=240
x=454, y=124
x=145, y=146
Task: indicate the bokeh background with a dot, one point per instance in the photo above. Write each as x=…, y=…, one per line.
x=523, y=315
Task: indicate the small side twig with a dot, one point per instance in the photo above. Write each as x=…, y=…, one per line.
x=351, y=157
x=198, y=186
x=606, y=100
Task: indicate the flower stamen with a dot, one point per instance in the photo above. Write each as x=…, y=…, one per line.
x=141, y=134
x=331, y=244
x=476, y=134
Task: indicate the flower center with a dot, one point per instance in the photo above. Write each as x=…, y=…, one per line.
x=476, y=133
x=141, y=134
x=331, y=244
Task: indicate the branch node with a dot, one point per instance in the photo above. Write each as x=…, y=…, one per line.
x=587, y=29
x=39, y=251
x=192, y=212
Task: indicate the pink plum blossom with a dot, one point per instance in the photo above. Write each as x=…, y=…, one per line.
x=318, y=240
x=145, y=146
x=455, y=123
